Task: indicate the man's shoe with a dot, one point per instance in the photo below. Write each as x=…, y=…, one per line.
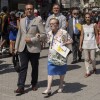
x=19, y=90
x=34, y=88
x=73, y=62
x=79, y=60
x=0, y=52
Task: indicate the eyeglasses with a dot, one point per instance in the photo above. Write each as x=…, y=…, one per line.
x=53, y=23
x=87, y=17
x=55, y=8
x=29, y=8
x=75, y=13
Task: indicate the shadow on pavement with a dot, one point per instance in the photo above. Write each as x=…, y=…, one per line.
x=97, y=62
x=26, y=91
x=68, y=87
x=71, y=67
x=97, y=72
x=43, y=57
x=6, y=68
x=1, y=61
x=5, y=56
x=73, y=87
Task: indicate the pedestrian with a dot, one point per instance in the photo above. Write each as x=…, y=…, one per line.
x=29, y=47
x=75, y=34
x=98, y=25
x=56, y=63
x=13, y=30
x=58, y=15
x=4, y=29
x=36, y=14
x=88, y=42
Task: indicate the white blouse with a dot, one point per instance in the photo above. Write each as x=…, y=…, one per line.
x=89, y=41
x=53, y=56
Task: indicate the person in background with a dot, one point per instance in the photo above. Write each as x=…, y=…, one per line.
x=13, y=30
x=88, y=42
x=75, y=35
x=98, y=27
x=36, y=14
x=58, y=15
x=56, y=62
x=4, y=30
x=94, y=17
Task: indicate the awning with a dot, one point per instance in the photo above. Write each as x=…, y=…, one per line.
x=86, y=5
x=91, y=1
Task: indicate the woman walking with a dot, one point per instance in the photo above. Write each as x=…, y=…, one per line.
x=56, y=62
x=13, y=30
x=88, y=42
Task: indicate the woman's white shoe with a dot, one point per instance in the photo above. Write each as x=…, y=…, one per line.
x=47, y=92
x=60, y=90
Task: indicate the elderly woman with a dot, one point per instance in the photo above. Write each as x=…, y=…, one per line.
x=56, y=62
x=88, y=42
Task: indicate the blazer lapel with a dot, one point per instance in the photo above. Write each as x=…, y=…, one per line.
x=31, y=22
x=72, y=23
x=24, y=24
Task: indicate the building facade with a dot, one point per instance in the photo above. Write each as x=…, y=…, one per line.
x=46, y=4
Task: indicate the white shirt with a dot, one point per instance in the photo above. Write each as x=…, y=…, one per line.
x=74, y=23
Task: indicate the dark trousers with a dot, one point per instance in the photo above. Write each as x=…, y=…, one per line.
x=75, y=47
x=25, y=57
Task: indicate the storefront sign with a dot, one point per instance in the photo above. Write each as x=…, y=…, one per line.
x=21, y=6
x=4, y=3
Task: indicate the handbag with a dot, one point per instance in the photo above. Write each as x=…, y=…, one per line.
x=15, y=60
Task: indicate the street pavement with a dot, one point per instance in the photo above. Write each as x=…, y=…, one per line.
x=76, y=86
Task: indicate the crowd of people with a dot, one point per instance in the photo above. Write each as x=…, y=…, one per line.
x=27, y=34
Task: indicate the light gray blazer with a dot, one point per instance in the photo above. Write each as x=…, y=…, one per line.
x=35, y=26
x=62, y=22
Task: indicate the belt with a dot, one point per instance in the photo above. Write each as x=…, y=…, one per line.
x=76, y=34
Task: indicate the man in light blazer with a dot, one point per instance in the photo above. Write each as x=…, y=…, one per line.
x=31, y=32
x=75, y=35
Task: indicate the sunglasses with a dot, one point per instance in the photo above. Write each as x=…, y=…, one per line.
x=75, y=13
x=29, y=8
x=55, y=8
x=87, y=17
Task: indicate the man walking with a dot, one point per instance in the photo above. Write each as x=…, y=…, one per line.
x=75, y=34
x=31, y=32
x=4, y=29
x=58, y=15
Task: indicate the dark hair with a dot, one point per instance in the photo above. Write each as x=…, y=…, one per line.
x=13, y=15
x=75, y=8
x=29, y=3
x=4, y=9
x=84, y=22
x=56, y=4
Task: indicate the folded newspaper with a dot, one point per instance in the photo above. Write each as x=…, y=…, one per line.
x=62, y=50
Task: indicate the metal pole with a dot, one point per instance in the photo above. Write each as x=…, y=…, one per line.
x=70, y=5
x=60, y=5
